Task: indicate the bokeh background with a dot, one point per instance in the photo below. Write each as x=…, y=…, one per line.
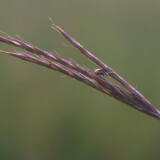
x=46, y=115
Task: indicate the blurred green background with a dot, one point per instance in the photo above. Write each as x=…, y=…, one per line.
x=46, y=115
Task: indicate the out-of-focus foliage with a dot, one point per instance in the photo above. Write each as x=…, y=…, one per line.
x=46, y=115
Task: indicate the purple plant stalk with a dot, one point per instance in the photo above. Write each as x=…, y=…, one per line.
x=47, y=59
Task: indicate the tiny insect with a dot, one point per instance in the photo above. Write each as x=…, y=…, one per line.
x=101, y=72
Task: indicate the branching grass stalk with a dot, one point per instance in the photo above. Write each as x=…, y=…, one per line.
x=50, y=60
